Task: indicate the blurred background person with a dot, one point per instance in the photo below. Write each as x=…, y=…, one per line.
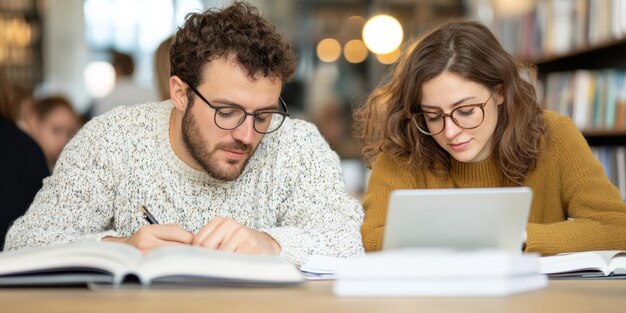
x=51, y=122
x=126, y=90
x=23, y=101
x=332, y=123
x=162, y=68
x=22, y=164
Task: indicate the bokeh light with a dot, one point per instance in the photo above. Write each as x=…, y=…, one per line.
x=355, y=51
x=328, y=50
x=389, y=58
x=99, y=78
x=382, y=34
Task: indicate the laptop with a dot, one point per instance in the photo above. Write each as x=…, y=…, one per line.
x=464, y=218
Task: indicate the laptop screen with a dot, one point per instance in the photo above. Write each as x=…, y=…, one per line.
x=464, y=218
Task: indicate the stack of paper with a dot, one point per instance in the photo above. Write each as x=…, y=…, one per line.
x=320, y=267
x=439, y=273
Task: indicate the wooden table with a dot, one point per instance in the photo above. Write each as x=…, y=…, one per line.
x=599, y=296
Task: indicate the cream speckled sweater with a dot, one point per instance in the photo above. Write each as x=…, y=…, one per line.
x=292, y=188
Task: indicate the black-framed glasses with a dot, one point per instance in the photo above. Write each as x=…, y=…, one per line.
x=230, y=117
x=467, y=116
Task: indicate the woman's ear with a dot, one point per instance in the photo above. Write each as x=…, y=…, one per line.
x=498, y=95
x=178, y=92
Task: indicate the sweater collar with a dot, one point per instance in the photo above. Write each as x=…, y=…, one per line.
x=486, y=173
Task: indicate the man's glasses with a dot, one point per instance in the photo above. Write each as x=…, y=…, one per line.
x=466, y=116
x=231, y=117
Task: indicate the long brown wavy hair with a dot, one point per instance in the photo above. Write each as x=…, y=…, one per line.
x=470, y=50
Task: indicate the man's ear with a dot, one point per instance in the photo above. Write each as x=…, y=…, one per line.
x=178, y=92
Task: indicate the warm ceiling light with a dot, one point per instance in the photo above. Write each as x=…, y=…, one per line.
x=512, y=8
x=355, y=22
x=382, y=34
x=328, y=50
x=355, y=51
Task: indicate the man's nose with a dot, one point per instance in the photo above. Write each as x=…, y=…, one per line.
x=245, y=132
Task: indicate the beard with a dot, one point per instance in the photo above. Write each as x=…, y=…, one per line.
x=199, y=151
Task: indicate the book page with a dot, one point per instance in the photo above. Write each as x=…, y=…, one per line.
x=193, y=264
x=577, y=261
x=104, y=258
x=618, y=263
x=439, y=264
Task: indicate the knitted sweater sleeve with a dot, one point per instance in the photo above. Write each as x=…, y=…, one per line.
x=76, y=202
x=317, y=216
x=387, y=175
x=593, y=205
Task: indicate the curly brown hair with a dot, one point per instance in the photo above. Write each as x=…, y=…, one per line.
x=238, y=30
x=470, y=50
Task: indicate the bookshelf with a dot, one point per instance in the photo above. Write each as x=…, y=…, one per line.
x=606, y=137
x=579, y=50
x=20, y=42
x=607, y=54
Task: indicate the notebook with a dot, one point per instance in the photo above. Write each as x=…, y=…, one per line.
x=464, y=218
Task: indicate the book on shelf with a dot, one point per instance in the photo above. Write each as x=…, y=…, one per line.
x=613, y=161
x=116, y=264
x=620, y=155
x=590, y=264
x=439, y=272
x=599, y=101
x=620, y=110
x=584, y=86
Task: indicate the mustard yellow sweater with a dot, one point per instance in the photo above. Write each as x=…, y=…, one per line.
x=568, y=183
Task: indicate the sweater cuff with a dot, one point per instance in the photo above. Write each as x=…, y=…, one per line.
x=293, y=244
x=373, y=240
x=99, y=236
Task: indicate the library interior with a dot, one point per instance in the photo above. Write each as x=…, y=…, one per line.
x=80, y=70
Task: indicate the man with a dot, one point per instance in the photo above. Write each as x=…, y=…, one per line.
x=219, y=166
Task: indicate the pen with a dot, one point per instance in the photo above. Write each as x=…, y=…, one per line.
x=147, y=215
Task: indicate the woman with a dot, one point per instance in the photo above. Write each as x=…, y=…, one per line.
x=52, y=122
x=162, y=68
x=459, y=112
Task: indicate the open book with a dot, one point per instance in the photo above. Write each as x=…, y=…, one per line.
x=116, y=264
x=591, y=264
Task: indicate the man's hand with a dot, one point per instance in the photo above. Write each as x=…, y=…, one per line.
x=228, y=235
x=150, y=237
